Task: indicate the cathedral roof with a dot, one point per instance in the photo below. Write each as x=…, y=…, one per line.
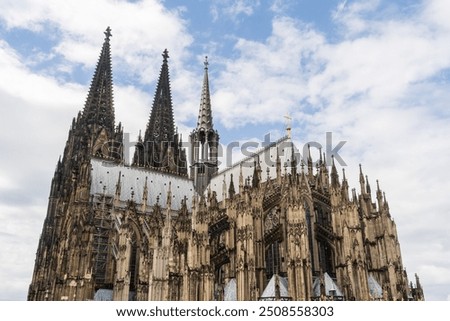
x=266, y=157
x=103, y=295
x=270, y=292
x=230, y=291
x=105, y=176
x=160, y=127
x=331, y=288
x=107, y=295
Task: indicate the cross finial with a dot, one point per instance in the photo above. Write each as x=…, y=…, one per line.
x=206, y=63
x=165, y=55
x=108, y=33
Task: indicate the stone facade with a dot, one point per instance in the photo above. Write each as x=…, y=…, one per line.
x=270, y=227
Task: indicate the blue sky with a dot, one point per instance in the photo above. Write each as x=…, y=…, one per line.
x=374, y=73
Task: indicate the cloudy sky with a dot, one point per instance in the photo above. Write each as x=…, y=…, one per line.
x=374, y=73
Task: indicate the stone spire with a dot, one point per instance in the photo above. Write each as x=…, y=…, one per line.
x=160, y=128
x=161, y=148
x=204, y=140
x=93, y=132
x=205, y=121
x=379, y=197
x=368, y=189
x=99, y=108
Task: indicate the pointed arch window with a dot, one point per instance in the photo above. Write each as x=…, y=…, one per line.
x=273, y=261
x=133, y=266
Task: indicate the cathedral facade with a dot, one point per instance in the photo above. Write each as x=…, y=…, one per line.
x=270, y=227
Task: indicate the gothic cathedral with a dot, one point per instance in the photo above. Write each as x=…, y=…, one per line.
x=270, y=227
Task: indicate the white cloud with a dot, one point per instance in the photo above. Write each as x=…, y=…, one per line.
x=17, y=255
x=436, y=12
x=18, y=81
x=245, y=7
x=34, y=108
x=141, y=30
x=233, y=9
x=434, y=274
x=339, y=9
x=281, y=6
x=267, y=76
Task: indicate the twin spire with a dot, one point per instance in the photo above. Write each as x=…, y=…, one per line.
x=160, y=127
x=160, y=148
x=99, y=107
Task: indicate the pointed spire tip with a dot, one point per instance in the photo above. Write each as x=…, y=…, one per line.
x=165, y=55
x=108, y=33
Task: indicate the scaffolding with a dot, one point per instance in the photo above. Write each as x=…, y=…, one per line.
x=103, y=223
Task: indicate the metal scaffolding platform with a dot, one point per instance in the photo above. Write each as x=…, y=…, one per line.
x=103, y=223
